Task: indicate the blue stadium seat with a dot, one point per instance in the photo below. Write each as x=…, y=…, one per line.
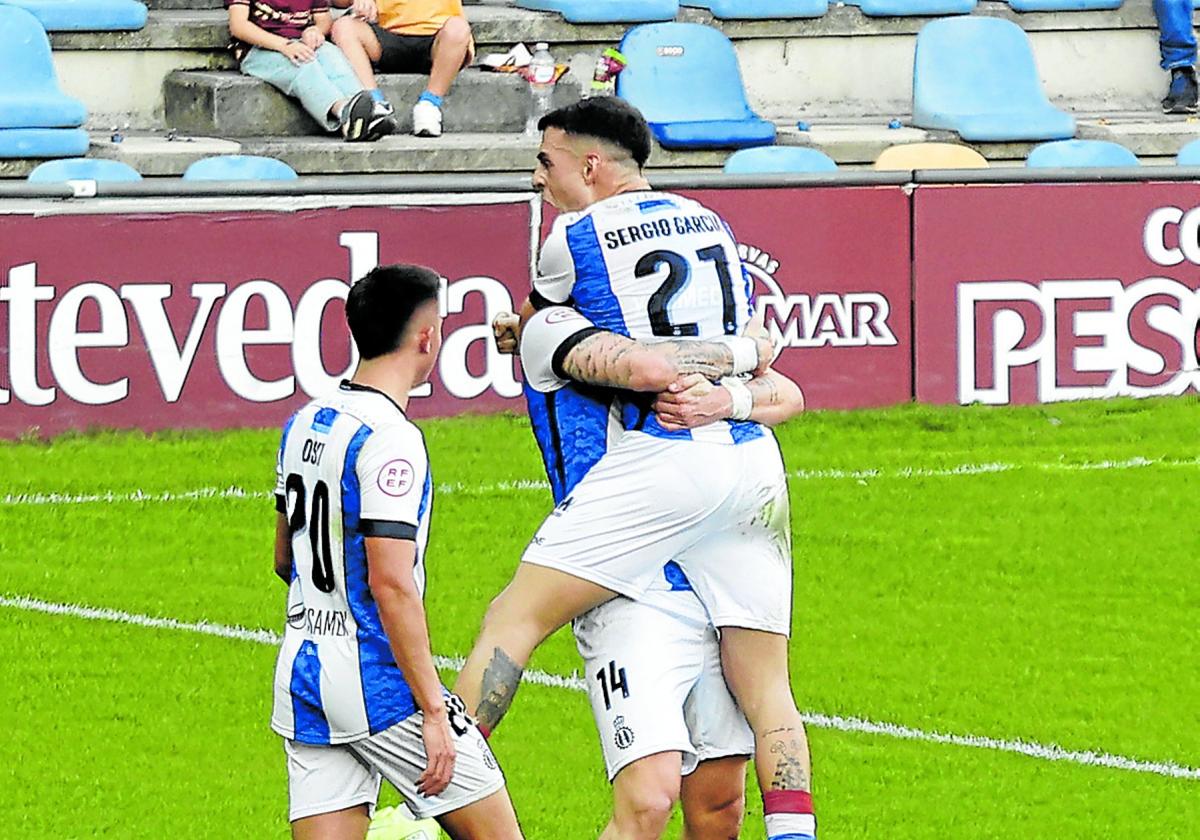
x=976, y=76
x=772, y=159
x=1075, y=153
x=42, y=142
x=239, y=168
x=902, y=8
x=685, y=79
x=29, y=92
x=1189, y=155
x=606, y=11
x=761, y=9
x=83, y=169
x=84, y=15
x=1063, y=5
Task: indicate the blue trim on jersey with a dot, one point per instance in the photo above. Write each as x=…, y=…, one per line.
x=426, y=496
x=386, y=696
x=287, y=428
x=311, y=725
x=593, y=292
x=323, y=420
x=675, y=576
x=655, y=204
x=572, y=437
x=748, y=279
x=635, y=418
x=744, y=430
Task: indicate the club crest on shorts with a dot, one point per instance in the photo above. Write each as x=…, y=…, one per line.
x=623, y=735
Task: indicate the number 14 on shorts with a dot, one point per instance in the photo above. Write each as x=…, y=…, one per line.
x=612, y=679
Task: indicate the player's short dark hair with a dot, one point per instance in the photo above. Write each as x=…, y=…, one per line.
x=381, y=304
x=605, y=118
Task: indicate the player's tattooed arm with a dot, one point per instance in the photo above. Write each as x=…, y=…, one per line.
x=790, y=755
x=614, y=361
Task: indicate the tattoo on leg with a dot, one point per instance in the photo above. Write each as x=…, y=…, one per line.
x=789, y=767
x=500, y=680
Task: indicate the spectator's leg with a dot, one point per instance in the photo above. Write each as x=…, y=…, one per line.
x=1176, y=39
x=338, y=69
x=452, y=51
x=306, y=82
x=1177, y=47
x=358, y=43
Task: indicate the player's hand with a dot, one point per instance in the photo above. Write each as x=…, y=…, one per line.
x=692, y=401
x=766, y=352
x=439, y=753
x=366, y=10
x=312, y=38
x=298, y=52
x=505, y=327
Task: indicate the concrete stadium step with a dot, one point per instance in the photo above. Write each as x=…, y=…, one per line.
x=207, y=26
x=1155, y=140
x=502, y=25
x=472, y=152
x=230, y=104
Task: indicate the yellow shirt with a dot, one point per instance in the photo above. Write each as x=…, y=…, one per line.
x=417, y=17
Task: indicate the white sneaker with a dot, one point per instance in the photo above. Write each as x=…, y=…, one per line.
x=427, y=119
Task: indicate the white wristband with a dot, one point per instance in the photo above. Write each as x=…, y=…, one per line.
x=743, y=400
x=744, y=350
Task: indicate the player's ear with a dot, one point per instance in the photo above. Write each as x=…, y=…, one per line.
x=591, y=163
x=425, y=338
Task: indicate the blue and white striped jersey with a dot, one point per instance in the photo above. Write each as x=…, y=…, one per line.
x=574, y=424
x=651, y=265
x=350, y=466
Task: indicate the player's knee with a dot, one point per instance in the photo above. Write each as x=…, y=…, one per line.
x=455, y=32
x=717, y=819
x=644, y=812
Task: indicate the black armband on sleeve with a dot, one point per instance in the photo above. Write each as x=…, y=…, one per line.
x=560, y=355
x=281, y=504
x=392, y=530
x=539, y=301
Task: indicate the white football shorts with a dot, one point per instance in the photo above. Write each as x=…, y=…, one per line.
x=720, y=511
x=655, y=683
x=324, y=778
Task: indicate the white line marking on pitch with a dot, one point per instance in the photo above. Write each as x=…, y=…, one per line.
x=521, y=485
x=1047, y=752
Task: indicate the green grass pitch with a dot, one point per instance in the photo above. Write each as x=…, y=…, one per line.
x=1047, y=593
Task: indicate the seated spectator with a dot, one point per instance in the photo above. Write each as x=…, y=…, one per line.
x=283, y=43
x=1177, y=46
x=407, y=36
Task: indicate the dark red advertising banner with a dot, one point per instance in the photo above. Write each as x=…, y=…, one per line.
x=1044, y=292
x=832, y=272
x=156, y=318
x=832, y=267
x=233, y=318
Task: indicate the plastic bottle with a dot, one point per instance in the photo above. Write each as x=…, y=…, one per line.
x=541, y=86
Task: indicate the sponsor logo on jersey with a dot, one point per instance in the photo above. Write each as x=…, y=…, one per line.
x=834, y=319
x=395, y=477
x=559, y=314
x=326, y=622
